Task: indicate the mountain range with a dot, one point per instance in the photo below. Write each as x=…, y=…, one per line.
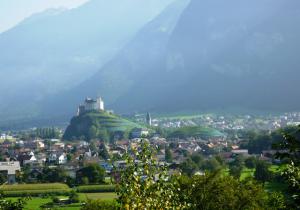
x=58, y=49
x=201, y=55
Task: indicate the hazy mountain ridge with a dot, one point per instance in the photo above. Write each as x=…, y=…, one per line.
x=209, y=55
x=234, y=54
x=132, y=64
x=56, y=50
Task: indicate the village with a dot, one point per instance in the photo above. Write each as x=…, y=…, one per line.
x=36, y=154
x=59, y=170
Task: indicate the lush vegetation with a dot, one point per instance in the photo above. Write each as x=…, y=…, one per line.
x=195, y=131
x=96, y=188
x=91, y=174
x=100, y=205
x=23, y=190
x=46, y=133
x=263, y=140
x=245, y=183
x=146, y=185
x=291, y=174
x=101, y=125
x=12, y=205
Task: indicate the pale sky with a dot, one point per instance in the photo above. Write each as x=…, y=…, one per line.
x=14, y=11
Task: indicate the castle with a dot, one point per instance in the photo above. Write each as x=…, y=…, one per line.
x=91, y=105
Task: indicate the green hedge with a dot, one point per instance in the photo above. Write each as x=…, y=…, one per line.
x=35, y=193
x=96, y=188
x=47, y=186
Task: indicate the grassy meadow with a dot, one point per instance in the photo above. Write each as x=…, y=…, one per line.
x=41, y=194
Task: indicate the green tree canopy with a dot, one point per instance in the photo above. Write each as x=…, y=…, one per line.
x=94, y=173
x=262, y=173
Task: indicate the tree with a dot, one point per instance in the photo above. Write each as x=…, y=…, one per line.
x=198, y=159
x=100, y=205
x=73, y=197
x=92, y=132
x=103, y=152
x=215, y=191
x=259, y=143
x=53, y=175
x=188, y=167
x=250, y=162
x=235, y=171
x=145, y=184
x=291, y=143
x=211, y=165
x=7, y=204
x=239, y=161
x=3, y=178
x=168, y=155
x=69, y=157
x=276, y=201
x=262, y=172
x=236, y=167
x=94, y=173
x=103, y=135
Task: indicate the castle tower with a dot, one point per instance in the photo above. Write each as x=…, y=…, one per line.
x=100, y=104
x=81, y=110
x=148, y=119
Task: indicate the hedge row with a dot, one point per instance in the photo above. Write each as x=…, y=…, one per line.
x=29, y=187
x=96, y=188
x=35, y=193
x=34, y=190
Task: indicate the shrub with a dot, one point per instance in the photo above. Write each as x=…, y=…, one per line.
x=100, y=205
x=96, y=188
x=55, y=199
x=73, y=197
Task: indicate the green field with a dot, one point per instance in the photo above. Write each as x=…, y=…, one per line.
x=14, y=192
x=35, y=202
x=96, y=188
x=195, y=131
x=269, y=186
x=34, y=189
x=113, y=122
x=102, y=196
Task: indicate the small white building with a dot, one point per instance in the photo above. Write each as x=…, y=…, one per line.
x=139, y=132
x=62, y=159
x=11, y=168
x=240, y=152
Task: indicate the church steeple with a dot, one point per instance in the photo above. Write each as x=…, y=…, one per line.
x=148, y=119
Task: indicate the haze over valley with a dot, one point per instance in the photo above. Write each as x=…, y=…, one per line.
x=159, y=56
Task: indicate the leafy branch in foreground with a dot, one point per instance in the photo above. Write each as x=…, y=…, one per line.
x=291, y=147
x=145, y=184
x=6, y=204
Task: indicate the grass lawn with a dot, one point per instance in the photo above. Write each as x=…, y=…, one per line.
x=34, y=203
x=247, y=173
x=269, y=186
x=102, y=196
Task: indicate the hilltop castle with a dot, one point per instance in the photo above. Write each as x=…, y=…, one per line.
x=91, y=105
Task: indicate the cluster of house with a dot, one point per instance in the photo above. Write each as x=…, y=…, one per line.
x=228, y=122
x=39, y=153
